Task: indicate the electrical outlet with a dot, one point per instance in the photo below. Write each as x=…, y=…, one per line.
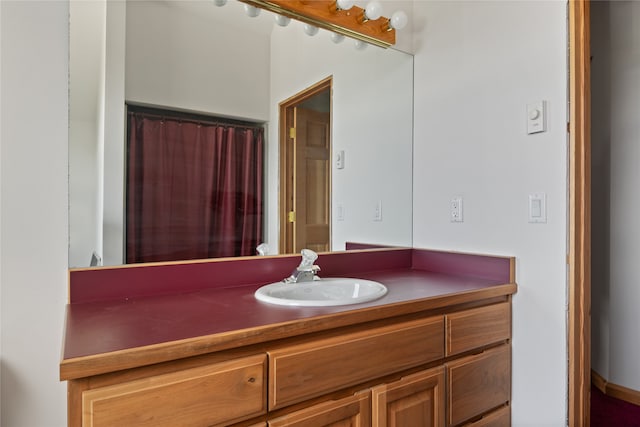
x=456, y=209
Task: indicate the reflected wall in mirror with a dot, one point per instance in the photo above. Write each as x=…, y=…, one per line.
x=193, y=56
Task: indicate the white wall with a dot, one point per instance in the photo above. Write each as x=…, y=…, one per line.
x=625, y=205
x=113, y=134
x=190, y=58
x=616, y=348
x=83, y=181
x=33, y=197
x=86, y=53
x=600, y=185
x=477, y=65
x=371, y=122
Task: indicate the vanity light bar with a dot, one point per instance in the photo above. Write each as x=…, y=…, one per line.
x=325, y=14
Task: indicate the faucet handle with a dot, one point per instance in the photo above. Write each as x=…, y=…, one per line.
x=308, y=258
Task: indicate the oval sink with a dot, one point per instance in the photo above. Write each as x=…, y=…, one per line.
x=322, y=293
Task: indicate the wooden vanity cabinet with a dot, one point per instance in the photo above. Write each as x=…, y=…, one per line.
x=472, y=386
x=451, y=368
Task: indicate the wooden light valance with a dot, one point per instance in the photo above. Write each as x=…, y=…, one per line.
x=325, y=14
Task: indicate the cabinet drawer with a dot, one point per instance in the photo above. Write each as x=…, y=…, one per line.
x=350, y=411
x=202, y=396
x=498, y=418
x=478, y=384
x=303, y=371
x=478, y=327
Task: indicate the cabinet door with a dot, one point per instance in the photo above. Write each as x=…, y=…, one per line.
x=353, y=411
x=414, y=401
x=207, y=395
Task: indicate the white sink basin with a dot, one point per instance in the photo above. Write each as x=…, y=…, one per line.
x=322, y=293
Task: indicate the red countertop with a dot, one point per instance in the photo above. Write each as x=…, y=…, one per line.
x=103, y=335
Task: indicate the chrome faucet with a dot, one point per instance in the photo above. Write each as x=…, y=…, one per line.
x=306, y=271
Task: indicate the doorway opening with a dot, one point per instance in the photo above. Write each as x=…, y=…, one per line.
x=305, y=170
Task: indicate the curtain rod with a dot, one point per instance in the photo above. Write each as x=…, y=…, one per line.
x=190, y=117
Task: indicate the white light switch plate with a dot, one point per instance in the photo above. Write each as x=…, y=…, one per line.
x=340, y=159
x=537, y=117
x=538, y=208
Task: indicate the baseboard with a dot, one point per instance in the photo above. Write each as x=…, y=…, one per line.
x=614, y=390
x=599, y=382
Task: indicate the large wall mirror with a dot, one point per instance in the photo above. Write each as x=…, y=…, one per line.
x=195, y=57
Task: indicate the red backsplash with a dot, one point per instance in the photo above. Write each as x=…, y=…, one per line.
x=132, y=281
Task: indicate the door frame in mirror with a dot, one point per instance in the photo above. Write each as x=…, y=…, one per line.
x=286, y=160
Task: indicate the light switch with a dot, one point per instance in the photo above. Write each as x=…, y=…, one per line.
x=377, y=211
x=340, y=159
x=536, y=117
x=538, y=208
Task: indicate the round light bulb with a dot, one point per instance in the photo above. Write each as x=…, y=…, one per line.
x=398, y=20
x=283, y=21
x=337, y=38
x=373, y=10
x=345, y=4
x=360, y=45
x=251, y=11
x=219, y=3
x=310, y=30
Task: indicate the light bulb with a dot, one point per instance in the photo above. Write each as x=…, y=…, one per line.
x=310, y=30
x=337, y=38
x=219, y=2
x=251, y=11
x=283, y=21
x=344, y=4
x=360, y=45
x=373, y=10
x=398, y=20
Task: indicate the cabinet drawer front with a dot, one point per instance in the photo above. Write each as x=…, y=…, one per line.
x=478, y=327
x=498, y=418
x=202, y=396
x=299, y=372
x=350, y=411
x=478, y=383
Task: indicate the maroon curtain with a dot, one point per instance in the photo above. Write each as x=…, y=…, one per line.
x=194, y=190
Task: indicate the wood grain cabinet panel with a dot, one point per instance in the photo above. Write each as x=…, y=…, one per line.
x=475, y=328
x=417, y=400
x=353, y=411
x=478, y=384
x=498, y=418
x=303, y=371
x=208, y=395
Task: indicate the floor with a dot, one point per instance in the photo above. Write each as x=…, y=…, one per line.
x=609, y=412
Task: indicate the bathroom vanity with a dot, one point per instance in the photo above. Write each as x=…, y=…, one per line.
x=187, y=344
